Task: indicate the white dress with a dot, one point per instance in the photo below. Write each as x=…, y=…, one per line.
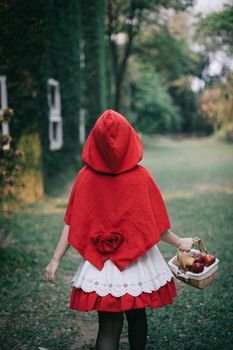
x=147, y=274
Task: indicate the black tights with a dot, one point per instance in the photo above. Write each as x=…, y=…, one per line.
x=137, y=328
x=110, y=327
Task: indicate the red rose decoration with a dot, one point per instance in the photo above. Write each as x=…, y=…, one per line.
x=107, y=243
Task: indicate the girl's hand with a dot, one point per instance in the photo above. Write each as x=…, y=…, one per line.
x=49, y=271
x=186, y=244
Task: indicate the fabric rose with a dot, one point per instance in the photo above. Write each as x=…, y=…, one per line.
x=107, y=243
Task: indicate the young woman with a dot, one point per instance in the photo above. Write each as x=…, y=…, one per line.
x=114, y=218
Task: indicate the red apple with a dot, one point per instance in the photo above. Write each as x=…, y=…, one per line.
x=208, y=259
x=198, y=257
x=197, y=254
x=197, y=267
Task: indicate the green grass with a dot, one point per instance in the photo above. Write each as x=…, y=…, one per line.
x=196, y=179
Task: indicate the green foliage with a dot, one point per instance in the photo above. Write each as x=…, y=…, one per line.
x=130, y=18
x=40, y=40
x=215, y=30
x=9, y=164
x=153, y=105
x=188, y=102
x=22, y=46
x=20, y=168
x=31, y=177
x=217, y=107
x=61, y=61
x=171, y=57
x=92, y=14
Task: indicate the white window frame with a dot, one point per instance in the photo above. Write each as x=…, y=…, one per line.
x=82, y=54
x=4, y=103
x=82, y=128
x=55, y=117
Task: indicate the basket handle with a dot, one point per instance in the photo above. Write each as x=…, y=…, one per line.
x=196, y=240
x=200, y=243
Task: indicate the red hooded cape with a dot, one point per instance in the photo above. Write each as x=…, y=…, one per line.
x=115, y=209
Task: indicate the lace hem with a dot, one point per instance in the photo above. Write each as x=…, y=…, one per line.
x=102, y=288
x=82, y=301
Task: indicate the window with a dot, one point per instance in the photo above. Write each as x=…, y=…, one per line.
x=82, y=55
x=82, y=131
x=3, y=103
x=55, y=118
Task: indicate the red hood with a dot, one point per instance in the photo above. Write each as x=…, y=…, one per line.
x=113, y=145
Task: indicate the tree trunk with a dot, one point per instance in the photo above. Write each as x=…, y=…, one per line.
x=119, y=66
x=120, y=72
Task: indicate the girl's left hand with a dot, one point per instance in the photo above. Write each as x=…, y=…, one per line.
x=186, y=244
x=49, y=271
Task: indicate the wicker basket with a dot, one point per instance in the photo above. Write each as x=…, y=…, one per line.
x=198, y=280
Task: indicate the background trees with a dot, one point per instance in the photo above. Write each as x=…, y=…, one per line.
x=135, y=56
x=125, y=20
x=215, y=33
x=154, y=62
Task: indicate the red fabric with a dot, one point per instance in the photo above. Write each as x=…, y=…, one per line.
x=115, y=210
x=82, y=301
x=113, y=146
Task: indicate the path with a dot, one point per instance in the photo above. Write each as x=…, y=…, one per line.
x=196, y=179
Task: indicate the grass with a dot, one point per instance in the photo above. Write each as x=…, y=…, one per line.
x=196, y=179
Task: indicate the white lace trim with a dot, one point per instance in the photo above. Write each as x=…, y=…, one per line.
x=117, y=290
x=147, y=274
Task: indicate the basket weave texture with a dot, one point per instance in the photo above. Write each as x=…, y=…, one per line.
x=209, y=275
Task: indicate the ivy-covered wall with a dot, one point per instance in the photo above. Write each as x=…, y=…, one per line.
x=61, y=61
x=41, y=40
x=22, y=46
x=93, y=13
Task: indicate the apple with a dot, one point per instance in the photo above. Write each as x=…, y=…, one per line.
x=208, y=259
x=197, y=267
x=198, y=256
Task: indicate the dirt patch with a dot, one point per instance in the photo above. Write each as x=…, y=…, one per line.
x=87, y=326
x=200, y=188
x=208, y=187
x=7, y=241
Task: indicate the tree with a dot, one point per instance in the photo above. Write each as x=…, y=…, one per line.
x=216, y=30
x=152, y=105
x=217, y=107
x=126, y=18
x=171, y=57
